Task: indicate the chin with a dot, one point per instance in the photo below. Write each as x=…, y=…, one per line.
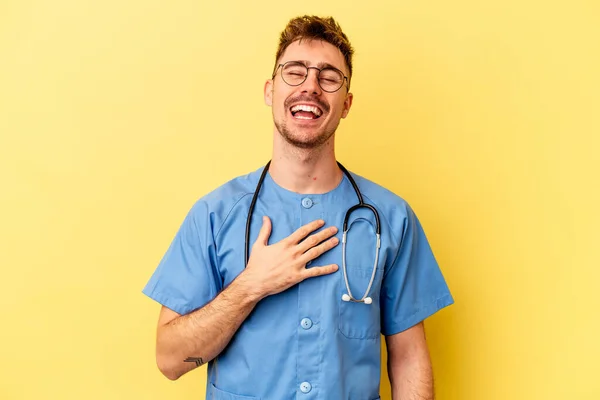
x=303, y=139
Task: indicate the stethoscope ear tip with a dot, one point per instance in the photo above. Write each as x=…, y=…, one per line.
x=367, y=300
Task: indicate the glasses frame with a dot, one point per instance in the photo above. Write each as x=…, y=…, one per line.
x=306, y=76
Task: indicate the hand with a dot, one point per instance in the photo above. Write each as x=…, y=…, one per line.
x=275, y=268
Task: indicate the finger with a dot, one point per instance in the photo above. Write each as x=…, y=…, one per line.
x=305, y=230
x=319, y=271
x=315, y=239
x=265, y=232
x=316, y=251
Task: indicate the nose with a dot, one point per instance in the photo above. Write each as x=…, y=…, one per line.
x=311, y=84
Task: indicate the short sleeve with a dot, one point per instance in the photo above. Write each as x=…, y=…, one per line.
x=413, y=286
x=187, y=276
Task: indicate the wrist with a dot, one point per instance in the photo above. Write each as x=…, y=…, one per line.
x=247, y=288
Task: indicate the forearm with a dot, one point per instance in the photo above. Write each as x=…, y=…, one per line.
x=191, y=340
x=411, y=377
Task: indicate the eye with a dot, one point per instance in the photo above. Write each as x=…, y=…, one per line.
x=331, y=76
x=295, y=69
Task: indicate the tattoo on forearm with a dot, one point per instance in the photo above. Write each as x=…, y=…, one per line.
x=197, y=360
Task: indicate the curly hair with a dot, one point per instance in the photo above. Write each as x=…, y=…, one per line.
x=316, y=28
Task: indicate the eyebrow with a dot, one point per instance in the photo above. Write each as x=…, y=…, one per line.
x=320, y=65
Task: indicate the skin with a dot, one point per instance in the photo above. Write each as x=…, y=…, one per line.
x=303, y=161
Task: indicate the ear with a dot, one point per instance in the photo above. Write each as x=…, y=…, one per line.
x=269, y=92
x=347, y=104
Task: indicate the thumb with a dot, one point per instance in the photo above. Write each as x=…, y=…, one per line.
x=265, y=232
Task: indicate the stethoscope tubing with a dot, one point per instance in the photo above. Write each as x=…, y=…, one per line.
x=251, y=210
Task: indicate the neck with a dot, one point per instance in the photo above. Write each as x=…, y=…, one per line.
x=305, y=171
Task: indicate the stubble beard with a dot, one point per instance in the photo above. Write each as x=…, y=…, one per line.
x=310, y=143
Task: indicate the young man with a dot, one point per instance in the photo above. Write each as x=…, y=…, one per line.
x=303, y=318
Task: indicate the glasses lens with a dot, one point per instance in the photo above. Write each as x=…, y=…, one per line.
x=294, y=73
x=331, y=79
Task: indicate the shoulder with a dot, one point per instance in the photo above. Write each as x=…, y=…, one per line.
x=394, y=209
x=218, y=204
x=383, y=197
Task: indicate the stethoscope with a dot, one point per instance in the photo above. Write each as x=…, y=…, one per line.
x=361, y=204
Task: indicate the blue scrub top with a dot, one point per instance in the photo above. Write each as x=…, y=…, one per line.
x=304, y=343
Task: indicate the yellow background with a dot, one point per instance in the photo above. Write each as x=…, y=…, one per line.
x=116, y=116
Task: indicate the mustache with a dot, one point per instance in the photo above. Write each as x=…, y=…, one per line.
x=309, y=99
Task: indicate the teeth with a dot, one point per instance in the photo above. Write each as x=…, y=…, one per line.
x=307, y=108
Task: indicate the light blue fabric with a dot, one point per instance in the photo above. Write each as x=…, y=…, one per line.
x=304, y=343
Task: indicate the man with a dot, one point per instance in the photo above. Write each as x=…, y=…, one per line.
x=303, y=318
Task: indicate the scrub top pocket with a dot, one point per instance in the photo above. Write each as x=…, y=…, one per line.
x=360, y=320
x=215, y=393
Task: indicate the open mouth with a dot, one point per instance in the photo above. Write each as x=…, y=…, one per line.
x=305, y=111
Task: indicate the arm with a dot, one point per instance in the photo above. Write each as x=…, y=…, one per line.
x=184, y=342
x=409, y=365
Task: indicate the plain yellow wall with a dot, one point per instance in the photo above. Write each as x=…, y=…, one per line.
x=116, y=116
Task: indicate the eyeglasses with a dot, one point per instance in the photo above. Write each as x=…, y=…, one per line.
x=294, y=73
